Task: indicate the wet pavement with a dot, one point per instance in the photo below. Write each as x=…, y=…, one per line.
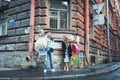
x=37, y=74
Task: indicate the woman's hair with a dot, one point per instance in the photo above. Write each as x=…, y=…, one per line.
x=66, y=40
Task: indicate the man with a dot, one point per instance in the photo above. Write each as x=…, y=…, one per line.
x=49, y=52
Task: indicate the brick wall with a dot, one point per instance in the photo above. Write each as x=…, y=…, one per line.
x=15, y=44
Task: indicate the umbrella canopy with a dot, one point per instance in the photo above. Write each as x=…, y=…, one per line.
x=75, y=52
x=41, y=45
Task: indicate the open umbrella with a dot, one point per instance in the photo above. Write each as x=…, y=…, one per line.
x=75, y=52
x=41, y=45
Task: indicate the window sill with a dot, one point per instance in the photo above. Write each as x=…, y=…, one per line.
x=68, y=31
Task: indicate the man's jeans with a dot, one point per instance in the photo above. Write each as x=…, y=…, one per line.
x=50, y=54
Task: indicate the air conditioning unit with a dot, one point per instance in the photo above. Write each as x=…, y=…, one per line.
x=8, y=0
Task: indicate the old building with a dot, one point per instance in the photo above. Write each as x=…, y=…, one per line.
x=98, y=42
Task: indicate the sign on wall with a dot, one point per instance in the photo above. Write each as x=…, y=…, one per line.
x=98, y=7
x=11, y=22
x=98, y=19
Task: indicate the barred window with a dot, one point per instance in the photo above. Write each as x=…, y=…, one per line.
x=58, y=14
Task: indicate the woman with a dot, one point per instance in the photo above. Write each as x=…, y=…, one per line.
x=66, y=48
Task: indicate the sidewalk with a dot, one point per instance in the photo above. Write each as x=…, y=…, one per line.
x=35, y=74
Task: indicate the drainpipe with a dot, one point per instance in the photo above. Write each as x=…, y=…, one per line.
x=108, y=32
x=31, y=33
x=87, y=55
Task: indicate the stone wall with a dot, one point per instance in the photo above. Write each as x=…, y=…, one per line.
x=14, y=46
x=15, y=60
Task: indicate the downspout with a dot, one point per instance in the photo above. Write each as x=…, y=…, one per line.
x=108, y=31
x=31, y=33
x=87, y=43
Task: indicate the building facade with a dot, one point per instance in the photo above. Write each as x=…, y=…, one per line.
x=97, y=43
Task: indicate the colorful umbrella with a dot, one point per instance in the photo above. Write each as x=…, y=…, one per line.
x=75, y=52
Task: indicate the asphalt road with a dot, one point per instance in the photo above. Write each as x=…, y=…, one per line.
x=115, y=75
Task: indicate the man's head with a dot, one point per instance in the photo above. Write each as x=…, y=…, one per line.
x=49, y=34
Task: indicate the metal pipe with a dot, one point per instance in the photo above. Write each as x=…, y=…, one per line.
x=31, y=33
x=87, y=55
x=108, y=32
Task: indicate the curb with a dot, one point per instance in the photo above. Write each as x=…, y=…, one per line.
x=9, y=69
x=85, y=75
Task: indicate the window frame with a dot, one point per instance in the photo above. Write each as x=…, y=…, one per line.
x=58, y=15
x=3, y=24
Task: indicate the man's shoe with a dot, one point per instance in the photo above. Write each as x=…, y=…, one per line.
x=67, y=70
x=45, y=70
x=52, y=70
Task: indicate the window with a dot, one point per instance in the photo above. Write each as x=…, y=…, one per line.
x=58, y=14
x=93, y=60
x=3, y=24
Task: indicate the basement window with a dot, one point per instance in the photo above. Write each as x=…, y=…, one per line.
x=93, y=59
